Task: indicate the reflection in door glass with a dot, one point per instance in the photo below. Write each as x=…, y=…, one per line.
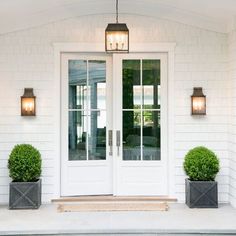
x=151, y=84
x=77, y=135
x=131, y=135
x=97, y=135
x=87, y=110
x=131, y=84
x=77, y=84
x=141, y=121
x=97, y=85
x=151, y=135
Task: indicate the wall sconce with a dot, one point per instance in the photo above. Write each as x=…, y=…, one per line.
x=117, y=36
x=198, y=100
x=28, y=104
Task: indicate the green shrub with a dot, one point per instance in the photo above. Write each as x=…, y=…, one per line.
x=24, y=163
x=201, y=164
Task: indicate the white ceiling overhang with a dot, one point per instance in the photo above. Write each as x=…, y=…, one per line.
x=215, y=15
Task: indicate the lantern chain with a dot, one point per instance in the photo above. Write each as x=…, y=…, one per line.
x=116, y=11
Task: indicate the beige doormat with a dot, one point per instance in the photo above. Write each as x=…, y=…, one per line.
x=106, y=198
x=113, y=206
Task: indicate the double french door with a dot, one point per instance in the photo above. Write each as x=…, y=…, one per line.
x=114, y=124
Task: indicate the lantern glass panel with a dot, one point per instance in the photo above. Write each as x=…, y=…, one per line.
x=28, y=106
x=117, y=40
x=198, y=105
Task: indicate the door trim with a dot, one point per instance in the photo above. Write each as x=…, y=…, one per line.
x=60, y=48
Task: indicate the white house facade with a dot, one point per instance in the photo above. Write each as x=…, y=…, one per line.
x=101, y=135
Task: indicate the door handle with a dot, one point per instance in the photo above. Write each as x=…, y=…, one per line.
x=110, y=141
x=118, y=142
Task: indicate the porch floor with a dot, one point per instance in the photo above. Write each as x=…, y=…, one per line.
x=178, y=220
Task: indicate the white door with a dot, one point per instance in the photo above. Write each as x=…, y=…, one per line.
x=132, y=103
x=140, y=124
x=86, y=161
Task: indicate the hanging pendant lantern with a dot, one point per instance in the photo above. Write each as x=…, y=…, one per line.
x=117, y=36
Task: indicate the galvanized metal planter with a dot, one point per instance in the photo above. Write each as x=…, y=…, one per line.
x=201, y=194
x=25, y=195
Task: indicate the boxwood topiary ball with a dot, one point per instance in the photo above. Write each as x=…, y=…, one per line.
x=24, y=163
x=201, y=164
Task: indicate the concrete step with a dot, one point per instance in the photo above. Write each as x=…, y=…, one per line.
x=179, y=220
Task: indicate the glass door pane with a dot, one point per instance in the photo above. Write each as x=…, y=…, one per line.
x=131, y=135
x=151, y=109
x=151, y=84
x=97, y=135
x=87, y=110
x=141, y=110
x=131, y=84
x=151, y=135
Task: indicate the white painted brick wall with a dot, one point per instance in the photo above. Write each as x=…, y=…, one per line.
x=232, y=123
x=26, y=60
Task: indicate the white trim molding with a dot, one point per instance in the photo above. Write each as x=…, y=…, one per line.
x=168, y=48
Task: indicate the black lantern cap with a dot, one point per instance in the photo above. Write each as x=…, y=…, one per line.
x=117, y=27
x=197, y=92
x=28, y=93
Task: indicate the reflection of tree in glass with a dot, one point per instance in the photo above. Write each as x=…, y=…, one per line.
x=137, y=119
x=150, y=91
x=131, y=78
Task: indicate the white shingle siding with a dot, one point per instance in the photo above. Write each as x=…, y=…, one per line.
x=201, y=59
x=232, y=122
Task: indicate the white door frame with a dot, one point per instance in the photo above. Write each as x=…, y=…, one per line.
x=60, y=48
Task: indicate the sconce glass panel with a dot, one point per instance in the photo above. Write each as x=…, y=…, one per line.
x=198, y=102
x=28, y=103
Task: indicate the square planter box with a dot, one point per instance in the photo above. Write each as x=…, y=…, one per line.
x=201, y=194
x=25, y=195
